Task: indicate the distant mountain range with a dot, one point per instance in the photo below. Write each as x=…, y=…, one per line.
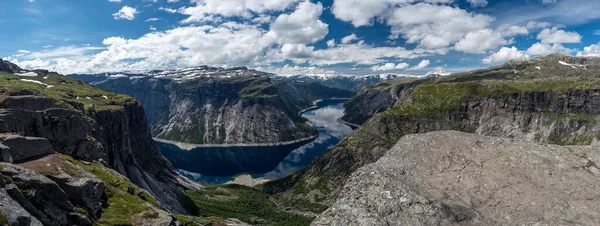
x=209, y=105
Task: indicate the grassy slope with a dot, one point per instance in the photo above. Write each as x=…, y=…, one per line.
x=243, y=203
x=65, y=90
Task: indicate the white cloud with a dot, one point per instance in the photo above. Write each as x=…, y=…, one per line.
x=542, y=49
x=297, y=51
x=114, y=0
x=389, y=67
x=511, y=31
x=597, y=32
x=349, y=38
x=590, y=51
x=538, y=25
x=205, y=10
x=364, y=13
x=23, y=51
x=434, y=26
x=331, y=43
x=125, y=13
x=421, y=65
x=172, y=1
x=479, y=42
x=301, y=26
x=548, y=1
x=153, y=19
x=555, y=35
x=168, y=10
x=62, y=52
x=362, y=54
x=478, y=3
x=505, y=54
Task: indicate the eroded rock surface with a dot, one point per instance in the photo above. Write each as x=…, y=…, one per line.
x=454, y=178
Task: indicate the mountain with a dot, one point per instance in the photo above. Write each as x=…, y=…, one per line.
x=454, y=178
x=207, y=105
x=75, y=155
x=552, y=99
x=345, y=82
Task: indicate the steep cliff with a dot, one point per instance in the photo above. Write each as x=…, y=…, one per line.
x=73, y=118
x=552, y=99
x=206, y=105
x=454, y=178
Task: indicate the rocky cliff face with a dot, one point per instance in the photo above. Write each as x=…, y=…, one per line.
x=453, y=178
x=553, y=104
x=222, y=106
x=42, y=113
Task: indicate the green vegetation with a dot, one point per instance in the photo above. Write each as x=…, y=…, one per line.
x=65, y=91
x=3, y=219
x=243, y=203
x=297, y=131
x=122, y=205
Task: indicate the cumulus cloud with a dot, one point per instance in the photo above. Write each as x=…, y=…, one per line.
x=205, y=10
x=555, y=35
x=542, y=49
x=389, y=66
x=301, y=26
x=349, y=38
x=125, y=13
x=478, y=3
x=479, y=42
x=590, y=51
x=505, y=54
x=421, y=65
x=435, y=26
x=331, y=43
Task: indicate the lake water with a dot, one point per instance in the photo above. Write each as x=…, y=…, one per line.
x=217, y=165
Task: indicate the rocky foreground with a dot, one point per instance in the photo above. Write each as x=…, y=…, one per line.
x=455, y=178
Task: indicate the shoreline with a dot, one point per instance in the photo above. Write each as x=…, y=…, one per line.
x=347, y=123
x=315, y=106
x=190, y=146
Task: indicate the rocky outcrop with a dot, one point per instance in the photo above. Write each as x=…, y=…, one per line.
x=40, y=197
x=75, y=119
x=379, y=98
x=9, y=67
x=17, y=148
x=454, y=178
x=222, y=106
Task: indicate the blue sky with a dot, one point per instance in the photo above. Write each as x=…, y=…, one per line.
x=293, y=36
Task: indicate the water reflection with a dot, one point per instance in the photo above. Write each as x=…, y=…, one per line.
x=219, y=165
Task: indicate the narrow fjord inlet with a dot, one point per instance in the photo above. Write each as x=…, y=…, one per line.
x=222, y=164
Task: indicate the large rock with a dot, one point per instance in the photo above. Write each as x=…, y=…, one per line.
x=453, y=178
x=84, y=189
x=40, y=196
x=23, y=148
x=14, y=213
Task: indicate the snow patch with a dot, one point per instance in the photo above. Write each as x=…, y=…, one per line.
x=36, y=82
x=105, y=97
x=567, y=64
x=28, y=74
x=88, y=98
x=539, y=68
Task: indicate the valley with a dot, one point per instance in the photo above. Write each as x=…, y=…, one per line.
x=222, y=164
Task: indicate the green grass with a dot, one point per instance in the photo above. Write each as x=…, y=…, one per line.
x=65, y=91
x=246, y=204
x=122, y=206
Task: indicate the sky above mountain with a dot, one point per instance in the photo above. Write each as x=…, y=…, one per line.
x=286, y=37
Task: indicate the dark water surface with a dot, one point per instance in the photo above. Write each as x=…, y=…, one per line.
x=222, y=164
